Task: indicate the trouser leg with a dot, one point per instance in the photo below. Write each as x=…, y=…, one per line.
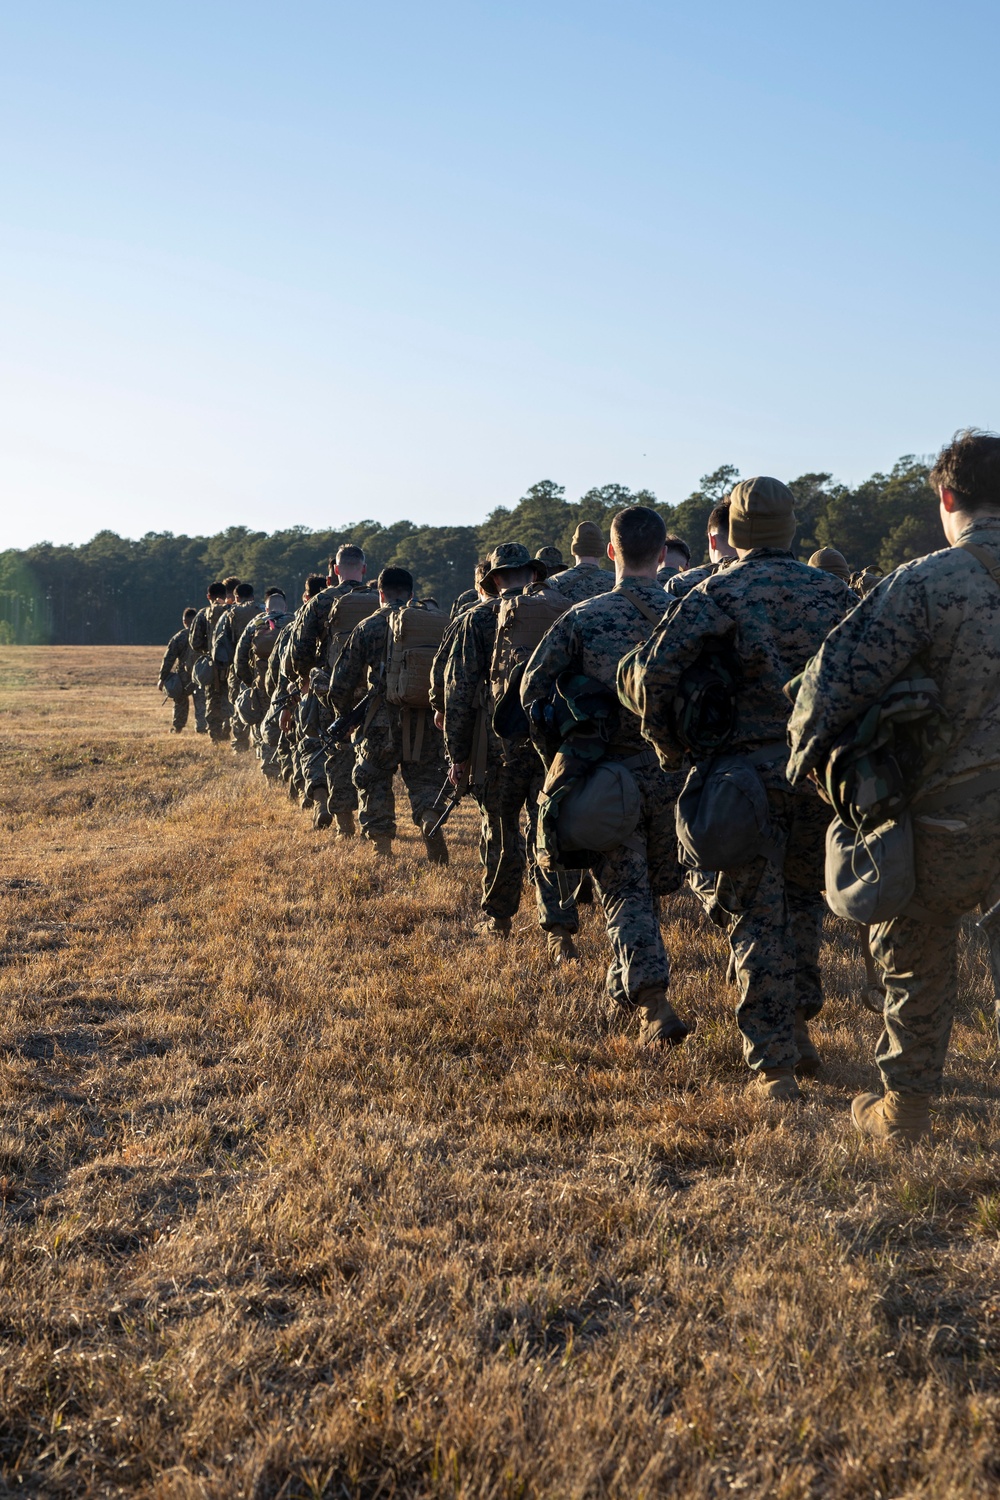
x=198, y=699
x=505, y=845
x=217, y=714
x=180, y=715
x=374, y=768
x=919, y=965
x=425, y=777
x=342, y=796
x=555, y=893
x=314, y=717
x=632, y=918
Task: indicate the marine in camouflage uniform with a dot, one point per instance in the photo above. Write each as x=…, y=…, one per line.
x=591, y=638
x=202, y=631
x=250, y=670
x=509, y=786
x=936, y=617
x=587, y=578
x=280, y=726
x=776, y=612
x=379, y=741
x=328, y=773
x=228, y=629
x=178, y=659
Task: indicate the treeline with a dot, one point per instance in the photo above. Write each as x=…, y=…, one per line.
x=113, y=591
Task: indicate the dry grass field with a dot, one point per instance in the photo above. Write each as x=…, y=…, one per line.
x=305, y=1194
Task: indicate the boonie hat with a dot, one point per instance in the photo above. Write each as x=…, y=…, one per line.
x=552, y=558
x=511, y=555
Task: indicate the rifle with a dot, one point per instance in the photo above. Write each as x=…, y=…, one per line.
x=451, y=802
x=344, y=726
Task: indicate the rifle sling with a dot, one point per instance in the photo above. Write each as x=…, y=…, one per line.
x=640, y=604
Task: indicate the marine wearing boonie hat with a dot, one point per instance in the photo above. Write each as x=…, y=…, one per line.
x=510, y=555
x=552, y=558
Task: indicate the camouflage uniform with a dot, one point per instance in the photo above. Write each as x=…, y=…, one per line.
x=228, y=628
x=467, y=600
x=216, y=696
x=777, y=612
x=249, y=670
x=325, y=772
x=937, y=617
x=509, y=786
x=379, y=744
x=278, y=749
x=591, y=638
x=179, y=657
x=585, y=581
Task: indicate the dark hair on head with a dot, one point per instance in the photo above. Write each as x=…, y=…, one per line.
x=244, y=591
x=217, y=590
x=349, y=553
x=315, y=584
x=969, y=466
x=677, y=543
x=637, y=533
x=396, y=583
x=231, y=584
x=718, y=520
x=482, y=568
x=188, y=615
x=270, y=593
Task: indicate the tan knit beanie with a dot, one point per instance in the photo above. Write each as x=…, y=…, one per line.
x=761, y=514
x=588, y=540
x=831, y=561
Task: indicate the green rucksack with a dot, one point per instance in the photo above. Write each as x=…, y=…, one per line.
x=702, y=714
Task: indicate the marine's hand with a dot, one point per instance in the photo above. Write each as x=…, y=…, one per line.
x=285, y=721
x=438, y=719
x=457, y=771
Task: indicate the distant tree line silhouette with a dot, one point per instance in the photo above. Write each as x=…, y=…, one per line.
x=114, y=591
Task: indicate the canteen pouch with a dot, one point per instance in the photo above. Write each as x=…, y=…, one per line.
x=870, y=876
x=601, y=811
x=722, y=817
x=249, y=707
x=174, y=687
x=203, y=671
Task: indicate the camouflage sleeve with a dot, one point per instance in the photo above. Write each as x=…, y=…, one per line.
x=307, y=637
x=859, y=659
x=364, y=648
x=243, y=663
x=170, y=656
x=199, y=633
x=464, y=673
x=438, y=666
x=648, y=676
x=221, y=651
x=555, y=653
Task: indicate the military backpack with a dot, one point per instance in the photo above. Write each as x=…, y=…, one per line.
x=347, y=612
x=415, y=633
x=522, y=622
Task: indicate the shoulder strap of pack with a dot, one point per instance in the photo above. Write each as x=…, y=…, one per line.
x=640, y=604
x=984, y=558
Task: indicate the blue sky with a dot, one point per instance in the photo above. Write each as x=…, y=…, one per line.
x=269, y=264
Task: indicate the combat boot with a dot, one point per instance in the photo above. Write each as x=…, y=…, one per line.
x=561, y=945
x=437, y=849
x=492, y=927
x=808, y=1064
x=777, y=1084
x=308, y=800
x=322, y=816
x=382, y=844
x=345, y=825
x=892, y=1117
x=660, y=1025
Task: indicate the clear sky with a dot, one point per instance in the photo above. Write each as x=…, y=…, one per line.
x=269, y=264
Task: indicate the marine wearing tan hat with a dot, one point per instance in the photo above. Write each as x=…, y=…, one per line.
x=587, y=578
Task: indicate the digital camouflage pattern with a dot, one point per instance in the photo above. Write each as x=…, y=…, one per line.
x=585, y=581
x=327, y=773
x=378, y=747
x=682, y=583
x=216, y=694
x=936, y=617
x=179, y=657
x=504, y=849
x=591, y=638
x=228, y=629
x=467, y=600
x=776, y=612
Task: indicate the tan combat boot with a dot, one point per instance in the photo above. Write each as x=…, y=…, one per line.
x=891, y=1116
x=777, y=1084
x=322, y=817
x=660, y=1025
x=437, y=849
x=345, y=825
x=382, y=844
x=492, y=927
x=808, y=1064
x=561, y=945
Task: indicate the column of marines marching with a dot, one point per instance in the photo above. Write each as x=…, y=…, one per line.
x=585, y=698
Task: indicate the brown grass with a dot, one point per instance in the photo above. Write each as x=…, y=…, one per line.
x=306, y=1195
